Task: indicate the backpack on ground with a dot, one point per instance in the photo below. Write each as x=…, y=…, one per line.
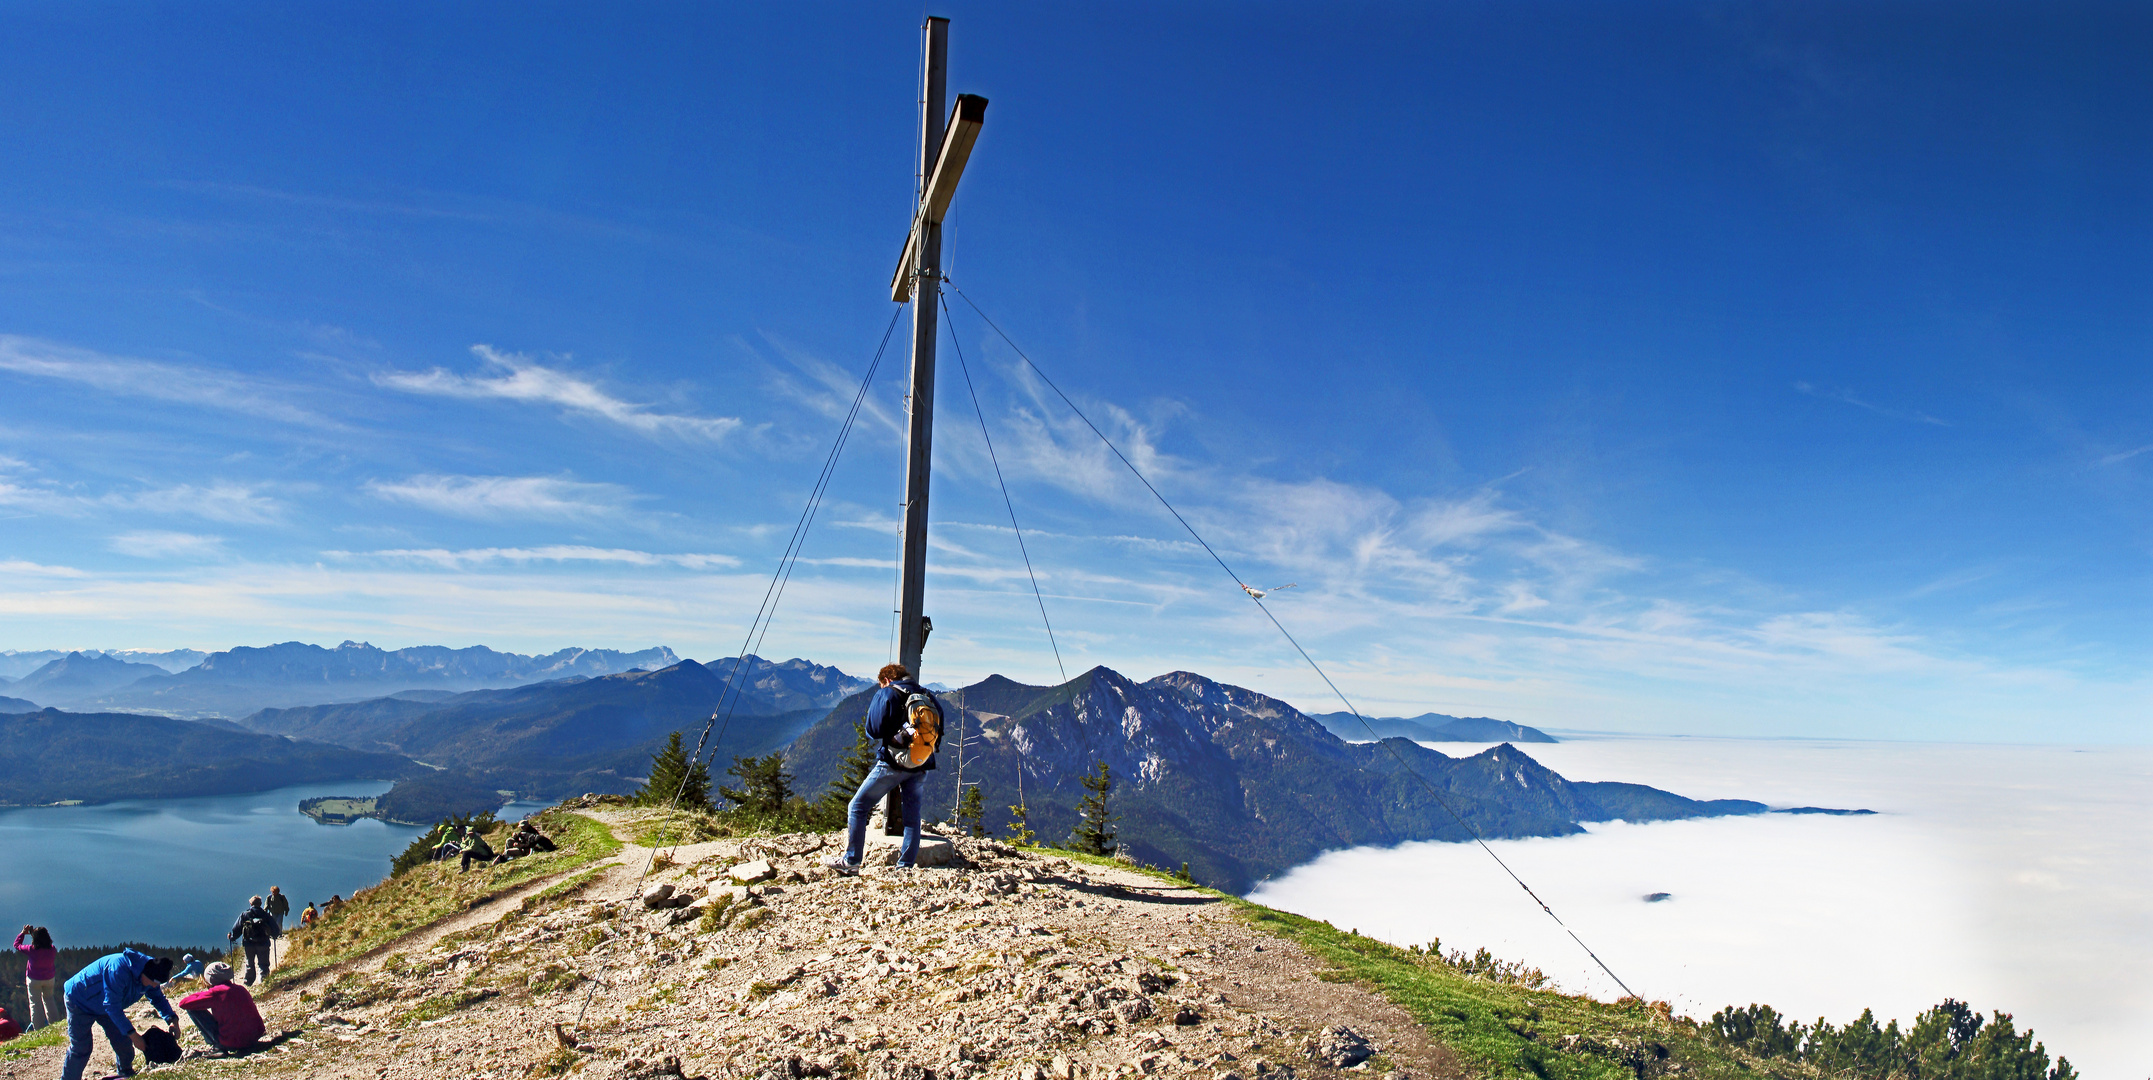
x=922, y=730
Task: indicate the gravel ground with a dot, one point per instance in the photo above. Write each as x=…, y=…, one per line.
x=1013, y=964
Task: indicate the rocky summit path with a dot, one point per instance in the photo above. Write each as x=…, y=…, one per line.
x=1011, y=964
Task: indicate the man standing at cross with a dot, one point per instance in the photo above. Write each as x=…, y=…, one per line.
x=893, y=771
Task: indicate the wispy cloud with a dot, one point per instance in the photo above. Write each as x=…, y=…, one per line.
x=26, y=568
x=2125, y=455
x=1848, y=397
x=227, y=502
x=156, y=544
x=152, y=379
x=551, y=553
x=237, y=504
x=489, y=497
x=514, y=377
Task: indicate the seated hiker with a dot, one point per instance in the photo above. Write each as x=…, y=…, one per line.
x=448, y=848
x=189, y=967
x=8, y=1028
x=475, y=847
x=255, y=930
x=98, y=996
x=538, y=840
x=336, y=900
x=224, y=1013
x=527, y=841
x=309, y=917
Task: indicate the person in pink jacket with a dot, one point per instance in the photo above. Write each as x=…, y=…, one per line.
x=40, y=960
x=224, y=1013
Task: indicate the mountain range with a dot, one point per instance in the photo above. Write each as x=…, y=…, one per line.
x=1238, y=785
x=79, y=675
x=51, y=756
x=240, y=681
x=577, y=734
x=1429, y=727
x=15, y=664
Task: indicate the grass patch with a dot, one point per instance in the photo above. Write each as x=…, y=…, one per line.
x=554, y=976
x=660, y=827
x=49, y=1035
x=560, y=1062
x=381, y=913
x=1505, y=1029
x=440, y=1005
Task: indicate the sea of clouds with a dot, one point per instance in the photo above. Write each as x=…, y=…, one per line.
x=2017, y=878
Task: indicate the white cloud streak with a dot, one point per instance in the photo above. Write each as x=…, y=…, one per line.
x=1848, y=397
x=495, y=497
x=551, y=553
x=155, y=380
x=157, y=544
x=514, y=377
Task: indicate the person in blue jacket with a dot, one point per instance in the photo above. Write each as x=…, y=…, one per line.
x=892, y=771
x=100, y=994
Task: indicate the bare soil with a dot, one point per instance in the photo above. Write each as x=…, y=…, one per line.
x=1016, y=965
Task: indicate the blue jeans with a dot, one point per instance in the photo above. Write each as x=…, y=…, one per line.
x=207, y=1025
x=880, y=782
x=79, y=1022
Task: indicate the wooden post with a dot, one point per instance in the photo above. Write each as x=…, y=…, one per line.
x=919, y=405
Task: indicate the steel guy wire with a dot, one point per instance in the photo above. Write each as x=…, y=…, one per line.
x=1403, y=765
x=1007, y=503
x=763, y=616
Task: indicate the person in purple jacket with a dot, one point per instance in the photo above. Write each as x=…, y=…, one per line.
x=40, y=961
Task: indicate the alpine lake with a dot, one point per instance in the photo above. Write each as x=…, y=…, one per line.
x=178, y=871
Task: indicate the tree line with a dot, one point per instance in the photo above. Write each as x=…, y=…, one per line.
x=1948, y=1042
x=761, y=796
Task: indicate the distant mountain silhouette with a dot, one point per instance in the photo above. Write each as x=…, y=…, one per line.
x=1239, y=785
x=240, y=681
x=77, y=676
x=51, y=756
x=16, y=705
x=1430, y=727
x=15, y=664
x=573, y=735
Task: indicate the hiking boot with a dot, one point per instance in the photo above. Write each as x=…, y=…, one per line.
x=839, y=864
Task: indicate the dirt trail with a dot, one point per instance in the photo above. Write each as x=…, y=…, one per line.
x=1019, y=965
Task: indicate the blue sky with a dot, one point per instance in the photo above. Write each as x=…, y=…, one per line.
x=1748, y=369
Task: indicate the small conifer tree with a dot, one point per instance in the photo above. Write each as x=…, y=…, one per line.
x=836, y=800
x=671, y=772
x=1020, y=830
x=971, y=815
x=1094, y=832
x=765, y=786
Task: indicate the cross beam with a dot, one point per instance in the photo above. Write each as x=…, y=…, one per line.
x=965, y=120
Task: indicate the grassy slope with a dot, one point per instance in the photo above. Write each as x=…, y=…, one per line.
x=1503, y=1030
x=381, y=913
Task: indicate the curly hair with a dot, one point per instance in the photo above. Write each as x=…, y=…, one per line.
x=892, y=673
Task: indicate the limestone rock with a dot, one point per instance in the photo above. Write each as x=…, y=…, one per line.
x=751, y=872
x=882, y=850
x=1339, y=1047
